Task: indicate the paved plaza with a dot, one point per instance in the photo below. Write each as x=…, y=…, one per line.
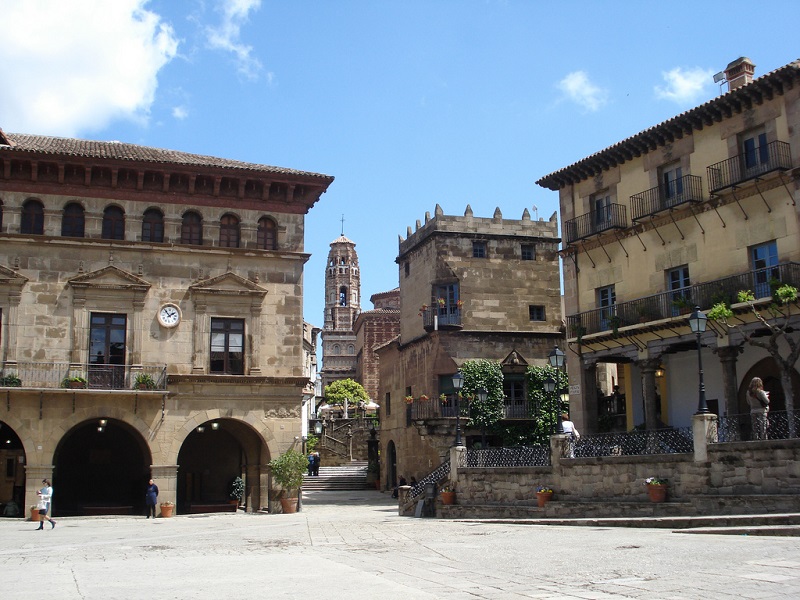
x=352, y=545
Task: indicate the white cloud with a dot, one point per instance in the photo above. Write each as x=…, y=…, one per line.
x=577, y=87
x=684, y=87
x=68, y=67
x=225, y=36
x=180, y=112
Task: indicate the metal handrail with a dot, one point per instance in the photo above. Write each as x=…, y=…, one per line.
x=93, y=376
x=441, y=316
x=671, y=440
x=775, y=156
x=778, y=425
x=688, y=188
x=614, y=216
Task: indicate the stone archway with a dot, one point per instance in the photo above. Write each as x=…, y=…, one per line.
x=12, y=474
x=101, y=466
x=211, y=456
x=767, y=370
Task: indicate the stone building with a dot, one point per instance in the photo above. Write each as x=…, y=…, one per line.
x=685, y=213
x=152, y=322
x=470, y=288
x=342, y=306
x=373, y=328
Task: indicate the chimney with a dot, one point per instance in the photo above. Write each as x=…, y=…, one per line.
x=739, y=73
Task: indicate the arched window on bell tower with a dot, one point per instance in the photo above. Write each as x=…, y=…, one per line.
x=343, y=296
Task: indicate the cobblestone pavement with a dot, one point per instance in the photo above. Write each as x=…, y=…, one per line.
x=352, y=545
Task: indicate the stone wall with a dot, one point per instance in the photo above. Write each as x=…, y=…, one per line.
x=741, y=468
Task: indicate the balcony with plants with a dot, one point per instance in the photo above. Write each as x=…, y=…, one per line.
x=442, y=314
x=673, y=303
x=48, y=375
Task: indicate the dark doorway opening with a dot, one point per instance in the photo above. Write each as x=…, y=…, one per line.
x=12, y=476
x=101, y=468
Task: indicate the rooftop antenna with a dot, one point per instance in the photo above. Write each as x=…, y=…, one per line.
x=720, y=79
x=342, y=224
x=535, y=212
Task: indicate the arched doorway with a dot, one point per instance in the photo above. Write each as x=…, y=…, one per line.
x=101, y=468
x=12, y=477
x=769, y=374
x=391, y=463
x=211, y=457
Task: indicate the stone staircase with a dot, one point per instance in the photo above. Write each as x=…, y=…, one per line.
x=352, y=476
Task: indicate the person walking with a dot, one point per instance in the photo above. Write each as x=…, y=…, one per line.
x=573, y=436
x=45, y=495
x=151, y=498
x=758, y=399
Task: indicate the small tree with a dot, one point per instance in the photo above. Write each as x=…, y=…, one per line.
x=237, y=489
x=288, y=470
x=337, y=392
x=776, y=318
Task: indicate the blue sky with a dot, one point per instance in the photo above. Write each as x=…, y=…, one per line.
x=406, y=103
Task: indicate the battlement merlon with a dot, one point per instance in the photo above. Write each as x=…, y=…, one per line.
x=484, y=227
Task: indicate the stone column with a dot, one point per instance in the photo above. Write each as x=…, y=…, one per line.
x=648, y=368
x=254, y=348
x=704, y=432
x=11, y=324
x=252, y=492
x=199, y=337
x=166, y=478
x=727, y=356
x=585, y=418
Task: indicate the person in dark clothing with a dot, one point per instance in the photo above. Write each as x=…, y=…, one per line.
x=151, y=498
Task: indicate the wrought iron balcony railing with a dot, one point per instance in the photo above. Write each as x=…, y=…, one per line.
x=91, y=376
x=775, y=156
x=445, y=316
x=683, y=190
x=613, y=216
x=676, y=302
x=778, y=425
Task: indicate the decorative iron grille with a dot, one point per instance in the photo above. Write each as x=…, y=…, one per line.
x=781, y=425
x=436, y=476
x=633, y=443
x=524, y=456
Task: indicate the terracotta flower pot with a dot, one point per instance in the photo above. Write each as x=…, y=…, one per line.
x=289, y=505
x=166, y=510
x=543, y=498
x=448, y=497
x=657, y=493
x=35, y=516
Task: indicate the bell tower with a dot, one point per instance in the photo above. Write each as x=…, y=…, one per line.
x=342, y=306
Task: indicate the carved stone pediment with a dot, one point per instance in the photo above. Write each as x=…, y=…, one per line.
x=11, y=278
x=514, y=359
x=110, y=278
x=228, y=284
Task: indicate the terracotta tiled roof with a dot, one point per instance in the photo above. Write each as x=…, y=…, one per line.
x=713, y=111
x=20, y=142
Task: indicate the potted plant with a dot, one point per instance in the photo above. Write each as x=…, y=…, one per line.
x=237, y=491
x=543, y=495
x=656, y=488
x=73, y=382
x=143, y=381
x=10, y=380
x=167, y=508
x=288, y=470
x=683, y=304
x=449, y=494
x=409, y=399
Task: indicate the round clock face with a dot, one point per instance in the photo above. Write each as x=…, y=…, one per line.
x=169, y=315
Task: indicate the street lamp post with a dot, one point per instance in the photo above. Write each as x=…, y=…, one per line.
x=697, y=323
x=458, y=382
x=557, y=359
